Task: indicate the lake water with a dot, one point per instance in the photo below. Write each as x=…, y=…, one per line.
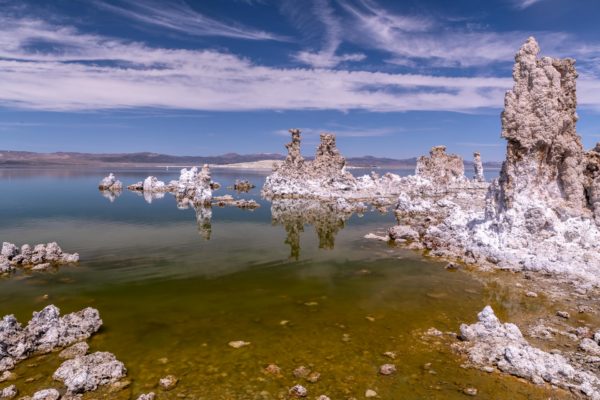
x=173, y=292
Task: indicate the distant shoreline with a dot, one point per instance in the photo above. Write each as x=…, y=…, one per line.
x=262, y=161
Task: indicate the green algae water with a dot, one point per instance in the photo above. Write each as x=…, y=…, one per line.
x=173, y=292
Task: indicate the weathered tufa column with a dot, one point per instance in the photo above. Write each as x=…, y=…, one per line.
x=294, y=158
x=478, y=167
x=544, y=155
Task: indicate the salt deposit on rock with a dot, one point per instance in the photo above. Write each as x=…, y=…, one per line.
x=86, y=373
x=540, y=214
x=46, y=331
x=9, y=392
x=46, y=394
x=41, y=256
x=152, y=184
x=326, y=177
x=440, y=168
x=76, y=350
x=194, y=188
x=492, y=344
x=296, y=177
x=110, y=183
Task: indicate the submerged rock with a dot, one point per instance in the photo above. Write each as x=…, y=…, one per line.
x=387, y=369
x=490, y=343
x=86, y=373
x=168, y=382
x=237, y=344
x=41, y=256
x=46, y=331
x=147, y=396
x=298, y=391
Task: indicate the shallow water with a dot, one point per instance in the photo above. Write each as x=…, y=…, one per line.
x=172, y=293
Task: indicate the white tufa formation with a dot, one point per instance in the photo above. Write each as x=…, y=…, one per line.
x=326, y=177
x=491, y=344
x=441, y=168
x=478, y=167
x=539, y=214
x=110, y=183
x=40, y=257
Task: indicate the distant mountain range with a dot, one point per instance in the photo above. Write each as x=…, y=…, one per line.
x=30, y=159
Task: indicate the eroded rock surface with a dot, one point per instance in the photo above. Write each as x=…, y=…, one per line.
x=46, y=331
x=46, y=394
x=296, y=177
x=441, y=168
x=540, y=214
x=110, y=183
x=326, y=177
x=41, y=256
x=193, y=188
x=243, y=185
x=492, y=344
x=478, y=167
x=86, y=373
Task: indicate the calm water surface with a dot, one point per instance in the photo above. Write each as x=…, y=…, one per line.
x=305, y=289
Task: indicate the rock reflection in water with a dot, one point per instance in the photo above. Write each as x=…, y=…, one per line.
x=110, y=195
x=204, y=218
x=293, y=214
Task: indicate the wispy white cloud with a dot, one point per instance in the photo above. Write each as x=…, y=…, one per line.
x=332, y=38
x=73, y=74
x=178, y=16
x=523, y=4
x=78, y=71
x=413, y=40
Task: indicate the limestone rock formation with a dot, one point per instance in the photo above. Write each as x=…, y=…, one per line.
x=541, y=213
x=46, y=394
x=195, y=186
x=243, y=185
x=46, y=331
x=478, y=167
x=441, y=168
x=110, y=183
x=41, y=256
x=544, y=155
x=325, y=178
x=490, y=343
x=152, y=184
x=320, y=178
x=86, y=373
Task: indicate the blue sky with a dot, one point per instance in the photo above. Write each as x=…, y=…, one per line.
x=390, y=78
